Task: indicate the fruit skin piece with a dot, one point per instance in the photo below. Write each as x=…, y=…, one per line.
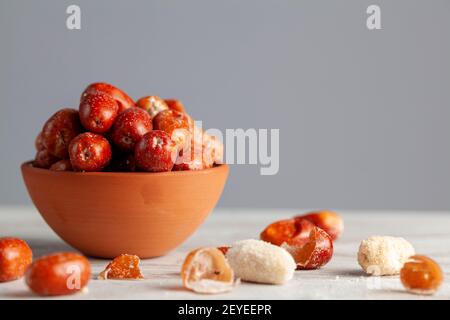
x=384, y=255
x=44, y=159
x=205, y=270
x=261, y=262
x=176, y=124
x=421, y=275
x=98, y=112
x=62, y=165
x=130, y=127
x=290, y=231
x=155, y=152
x=123, y=100
x=58, y=274
x=125, y=266
x=15, y=258
x=313, y=254
x=89, y=152
x=59, y=131
x=175, y=104
x=326, y=220
x=152, y=104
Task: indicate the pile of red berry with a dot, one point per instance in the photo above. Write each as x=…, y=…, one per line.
x=110, y=132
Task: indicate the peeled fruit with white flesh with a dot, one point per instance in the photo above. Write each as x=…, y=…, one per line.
x=384, y=255
x=260, y=261
x=206, y=270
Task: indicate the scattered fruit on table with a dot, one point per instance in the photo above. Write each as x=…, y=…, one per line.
x=58, y=274
x=384, y=255
x=313, y=254
x=329, y=221
x=421, y=275
x=260, y=261
x=125, y=266
x=15, y=258
x=206, y=270
x=290, y=231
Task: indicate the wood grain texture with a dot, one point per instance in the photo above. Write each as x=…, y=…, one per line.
x=342, y=278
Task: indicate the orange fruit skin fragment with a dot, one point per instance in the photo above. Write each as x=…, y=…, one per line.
x=125, y=266
x=315, y=253
x=290, y=231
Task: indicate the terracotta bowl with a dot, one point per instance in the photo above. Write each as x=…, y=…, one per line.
x=104, y=214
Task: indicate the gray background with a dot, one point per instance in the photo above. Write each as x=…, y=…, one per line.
x=363, y=115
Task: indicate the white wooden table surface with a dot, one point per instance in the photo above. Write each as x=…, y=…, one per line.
x=342, y=278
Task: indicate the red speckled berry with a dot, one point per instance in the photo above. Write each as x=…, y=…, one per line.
x=38, y=143
x=189, y=160
x=175, y=104
x=176, y=124
x=123, y=100
x=130, y=127
x=152, y=104
x=98, y=112
x=58, y=274
x=155, y=152
x=59, y=130
x=89, y=152
x=44, y=159
x=62, y=165
x=15, y=257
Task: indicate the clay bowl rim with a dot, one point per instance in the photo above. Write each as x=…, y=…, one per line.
x=27, y=165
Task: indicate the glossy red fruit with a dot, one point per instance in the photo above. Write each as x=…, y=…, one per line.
x=38, y=143
x=176, y=124
x=58, y=274
x=175, y=104
x=327, y=220
x=59, y=131
x=123, y=100
x=189, y=160
x=156, y=152
x=44, y=159
x=62, y=165
x=89, y=152
x=289, y=231
x=98, y=112
x=152, y=104
x=15, y=257
x=313, y=254
x=130, y=127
